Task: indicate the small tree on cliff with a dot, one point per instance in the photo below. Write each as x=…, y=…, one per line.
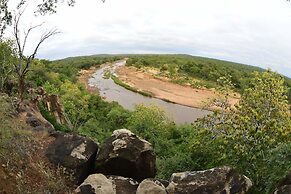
x=22, y=66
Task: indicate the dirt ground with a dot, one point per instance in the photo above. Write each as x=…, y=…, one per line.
x=164, y=89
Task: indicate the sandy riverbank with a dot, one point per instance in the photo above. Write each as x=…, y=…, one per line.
x=160, y=87
x=164, y=89
x=84, y=76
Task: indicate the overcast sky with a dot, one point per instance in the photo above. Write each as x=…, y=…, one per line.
x=254, y=32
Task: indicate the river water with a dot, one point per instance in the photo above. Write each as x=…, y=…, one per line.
x=112, y=92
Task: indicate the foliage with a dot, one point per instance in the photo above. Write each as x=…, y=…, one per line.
x=204, y=71
x=6, y=63
x=198, y=67
x=148, y=121
x=50, y=118
x=277, y=166
x=260, y=123
x=251, y=137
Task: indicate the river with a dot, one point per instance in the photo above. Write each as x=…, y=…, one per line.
x=112, y=92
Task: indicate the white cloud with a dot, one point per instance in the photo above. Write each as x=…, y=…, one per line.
x=255, y=32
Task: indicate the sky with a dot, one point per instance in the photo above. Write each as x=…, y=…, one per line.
x=253, y=32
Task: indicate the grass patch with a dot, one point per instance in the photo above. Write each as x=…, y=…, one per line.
x=107, y=74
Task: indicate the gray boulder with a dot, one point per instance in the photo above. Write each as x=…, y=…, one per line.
x=76, y=153
x=150, y=186
x=96, y=184
x=122, y=185
x=125, y=154
x=216, y=180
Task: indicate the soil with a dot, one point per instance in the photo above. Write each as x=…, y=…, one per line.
x=162, y=88
x=19, y=175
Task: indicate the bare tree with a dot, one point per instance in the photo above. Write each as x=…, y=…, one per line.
x=22, y=66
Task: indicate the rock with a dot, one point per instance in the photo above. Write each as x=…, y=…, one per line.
x=150, y=186
x=33, y=121
x=122, y=185
x=33, y=117
x=284, y=185
x=95, y=184
x=164, y=182
x=216, y=180
x=54, y=106
x=51, y=103
x=125, y=154
x=76, y=153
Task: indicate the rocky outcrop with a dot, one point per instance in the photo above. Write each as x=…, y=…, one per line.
x=96, y=184
x=122, y=185
x=284, y=185
x=216, y=180
x=150, y=186
x=52, y=104
x=127, y=155
x=76, y=153
x=30, y=112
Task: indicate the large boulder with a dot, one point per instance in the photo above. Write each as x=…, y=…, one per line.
x=99, y=184
x=96, y=184
x=122, y=185
x=76, y=153
x=125, y=154
x=284, y=185
x=216, y=180
x=150, y=186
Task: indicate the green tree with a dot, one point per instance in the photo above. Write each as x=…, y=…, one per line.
x=264, y=108
x=75, y=102
x=6, y=63
x=259, y=123
x=148, y=121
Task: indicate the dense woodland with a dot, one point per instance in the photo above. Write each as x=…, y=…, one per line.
x=254, y=137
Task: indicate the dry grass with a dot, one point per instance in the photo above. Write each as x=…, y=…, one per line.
x=23, y=166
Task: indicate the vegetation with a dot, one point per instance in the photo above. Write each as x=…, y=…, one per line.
x=6, y=64
x=253, y=137
x=23, y=168
x=246, y=136
x=199, y=71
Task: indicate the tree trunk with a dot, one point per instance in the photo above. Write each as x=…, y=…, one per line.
x=21, y=87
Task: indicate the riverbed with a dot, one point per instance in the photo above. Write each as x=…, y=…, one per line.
x=112, y=92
